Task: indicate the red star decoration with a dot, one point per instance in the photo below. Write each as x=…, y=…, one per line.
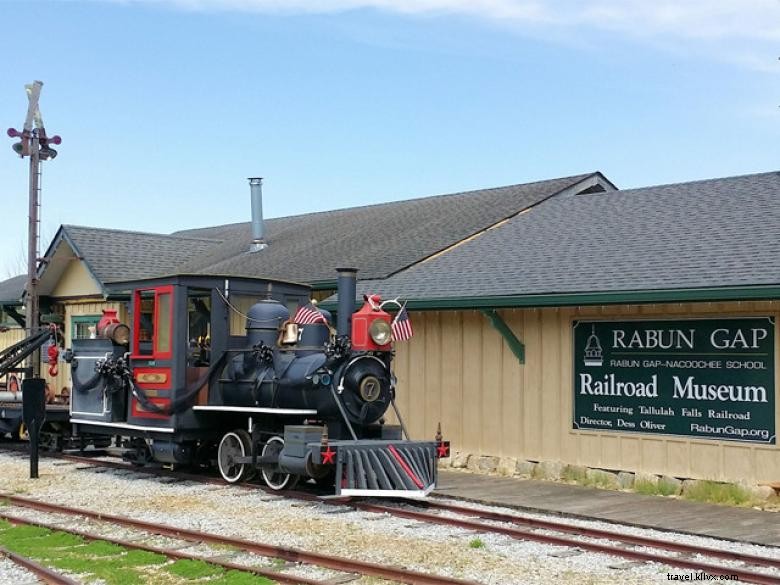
x=443, y=449
x=328, y=455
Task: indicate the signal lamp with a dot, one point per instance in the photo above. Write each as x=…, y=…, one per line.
x=380, y=332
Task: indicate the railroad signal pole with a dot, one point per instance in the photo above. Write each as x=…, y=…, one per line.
x=33, y=143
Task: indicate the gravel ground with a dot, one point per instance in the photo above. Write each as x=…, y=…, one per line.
x=482, y=557
x=10, y=572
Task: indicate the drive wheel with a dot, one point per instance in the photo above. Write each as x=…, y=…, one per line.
x=22, y=433
x=234, y=444
x=277, y=480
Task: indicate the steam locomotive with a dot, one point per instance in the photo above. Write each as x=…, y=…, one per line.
x=288, y=400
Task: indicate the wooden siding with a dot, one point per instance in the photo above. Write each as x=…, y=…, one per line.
x=91, y=307
x=458, y=370
x=8, y=338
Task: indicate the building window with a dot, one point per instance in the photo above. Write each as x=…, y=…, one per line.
x=80, y=326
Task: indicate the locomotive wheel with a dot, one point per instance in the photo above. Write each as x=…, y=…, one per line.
x=276, y=480
x=21, y=432
x=234, y=444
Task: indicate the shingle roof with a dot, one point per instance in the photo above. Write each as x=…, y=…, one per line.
x=713, y=233
x=115, y=255
x=379, y=240
x=11, y=290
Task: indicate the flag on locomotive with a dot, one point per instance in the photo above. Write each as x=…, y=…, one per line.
x=402, y=326
x=308, y=314
x=294, y=398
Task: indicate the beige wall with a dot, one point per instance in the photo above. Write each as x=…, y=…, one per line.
x=458, y=370
x=8, y=338
x=76, y=281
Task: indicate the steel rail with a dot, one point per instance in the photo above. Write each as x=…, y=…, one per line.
x=745, y=575
x=669, y=546
x=285, y=553
x=607, y=534
x=171, y=554
x=46, y=574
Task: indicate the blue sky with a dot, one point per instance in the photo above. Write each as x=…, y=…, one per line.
x=166, y=106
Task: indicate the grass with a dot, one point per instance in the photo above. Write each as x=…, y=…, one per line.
x=719, y=493
x=193, y=569
x=110, y=563
x=476, y=543
x=574, y=474
x=580, y=476
x=650, y=488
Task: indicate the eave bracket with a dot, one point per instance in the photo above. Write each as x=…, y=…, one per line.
x=517, y=346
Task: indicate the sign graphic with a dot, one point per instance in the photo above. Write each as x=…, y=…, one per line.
x=707, y=378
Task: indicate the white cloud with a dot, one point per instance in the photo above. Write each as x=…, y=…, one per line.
x=743, y=32
x=711, y=19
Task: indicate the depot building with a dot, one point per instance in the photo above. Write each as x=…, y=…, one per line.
x=563, y=321
x=622, y=330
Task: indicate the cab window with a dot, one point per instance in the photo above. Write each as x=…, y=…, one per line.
x=153, y=322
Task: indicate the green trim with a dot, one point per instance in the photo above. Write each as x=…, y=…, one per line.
x=605, y=298
x=85, y=319
x=323, y=285
x=511, y=339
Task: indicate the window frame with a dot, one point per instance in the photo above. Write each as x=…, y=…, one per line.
x=156, y=325
x=88, y=318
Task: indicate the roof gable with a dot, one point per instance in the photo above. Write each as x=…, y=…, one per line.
x=125, y=255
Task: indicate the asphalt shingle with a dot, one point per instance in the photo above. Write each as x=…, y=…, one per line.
x=379, y=240
x=116, y=255
x=11, y=290
x=713, y=233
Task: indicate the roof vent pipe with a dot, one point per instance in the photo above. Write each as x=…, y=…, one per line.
x=258, y=227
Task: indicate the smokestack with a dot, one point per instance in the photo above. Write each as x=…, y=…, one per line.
x=347, y=286
x=258, y=227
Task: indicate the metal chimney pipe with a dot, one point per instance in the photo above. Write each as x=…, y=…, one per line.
x=258, y=226
x=347, y=289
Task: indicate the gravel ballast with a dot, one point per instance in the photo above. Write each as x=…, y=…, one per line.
x=380, y=538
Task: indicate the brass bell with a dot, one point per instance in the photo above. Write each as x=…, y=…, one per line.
x=289, y=334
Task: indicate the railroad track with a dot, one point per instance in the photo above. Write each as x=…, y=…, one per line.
x=50, y=576
x=45, y=574
x=609, y=542
x=294, y=555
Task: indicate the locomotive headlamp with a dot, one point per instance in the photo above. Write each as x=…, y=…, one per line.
x=119, y=333
x=380, y=332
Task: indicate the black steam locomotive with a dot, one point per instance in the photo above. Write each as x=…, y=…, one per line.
x=290, y=398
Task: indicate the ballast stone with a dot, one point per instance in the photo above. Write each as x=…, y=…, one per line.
x=601, y=478
x=460, y=460
x=626, y=480
x=549, y=470
x=507, y=466
x=762, y=492
x=525, y=468
x=672, y=484
x=646, y=478
x=483, y=463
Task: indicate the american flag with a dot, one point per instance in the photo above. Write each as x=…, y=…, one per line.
x=402, y=326
x=308, y=314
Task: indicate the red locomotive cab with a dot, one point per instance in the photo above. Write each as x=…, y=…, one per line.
x=371, y=326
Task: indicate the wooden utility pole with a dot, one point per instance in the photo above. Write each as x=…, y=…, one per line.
x=35, y=144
